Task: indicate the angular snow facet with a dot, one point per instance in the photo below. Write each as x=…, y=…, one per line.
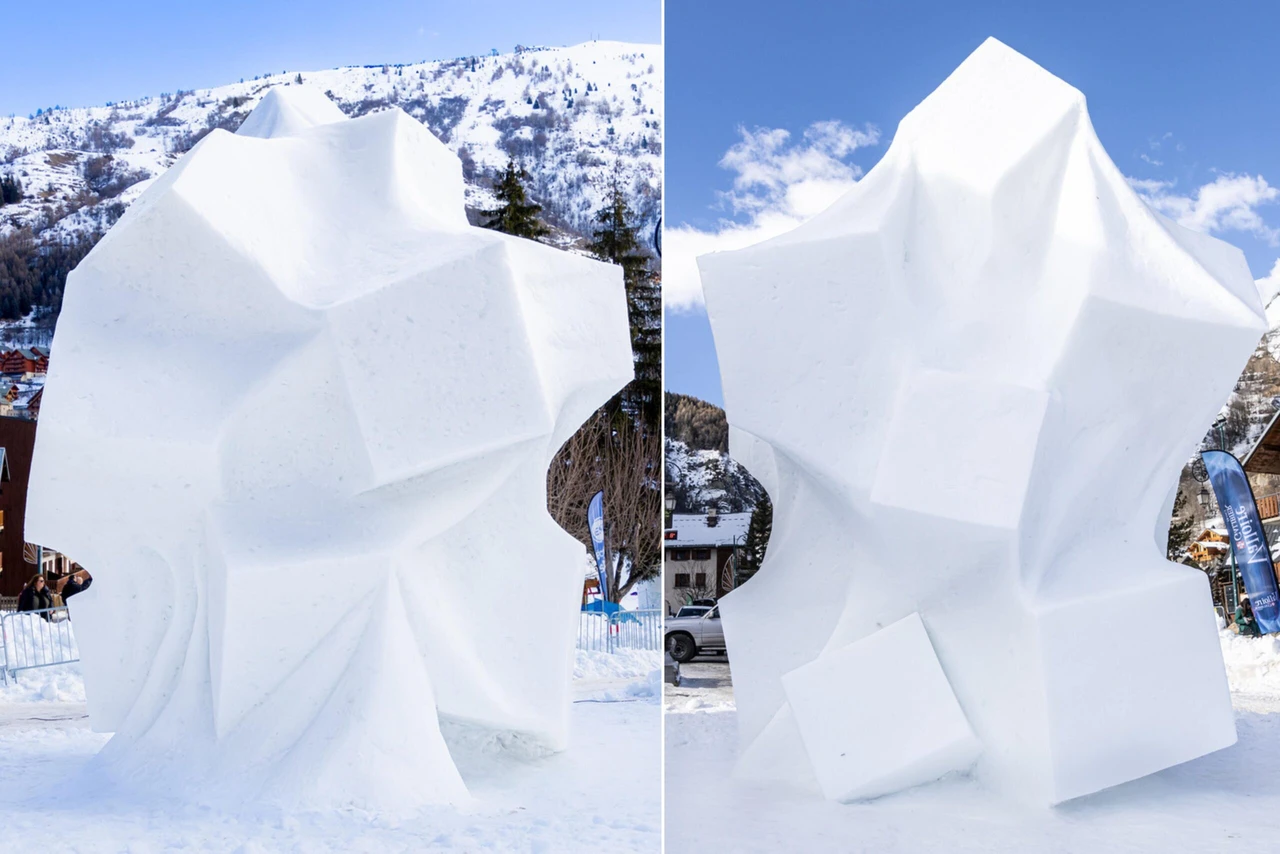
x=878, y=715
x=299, y=427
x=968, y=386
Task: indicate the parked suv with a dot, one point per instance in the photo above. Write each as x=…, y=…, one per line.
x=688, y=636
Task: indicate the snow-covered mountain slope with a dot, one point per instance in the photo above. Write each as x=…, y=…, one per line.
x=698, y=471
x=570, y=116
x=701, y=479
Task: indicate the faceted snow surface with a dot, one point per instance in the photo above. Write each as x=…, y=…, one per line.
x=895, y=723
x=299, y=428
x=969, y=387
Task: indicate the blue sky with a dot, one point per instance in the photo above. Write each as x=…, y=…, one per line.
x=1183, y=95
x=77, y=53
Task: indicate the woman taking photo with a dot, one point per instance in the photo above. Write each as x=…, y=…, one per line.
x=36, y=596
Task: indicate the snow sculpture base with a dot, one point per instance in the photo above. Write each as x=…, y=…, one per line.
x=901, y=726
x=969, y=386
x=299, y=424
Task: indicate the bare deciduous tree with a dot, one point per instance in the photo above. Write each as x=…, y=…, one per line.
x=622, y=458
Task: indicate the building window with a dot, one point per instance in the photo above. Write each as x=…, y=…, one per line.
x=702, y=554
x=682, y=579
x=700, y=580
x=679, y=554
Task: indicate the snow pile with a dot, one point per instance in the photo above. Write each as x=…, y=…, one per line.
x=31, y=640
x=699, y=702
x=647, y=688
x=60, y=683
x=620, y=664
x=644, y=688
x=1253, y=664
x=352, y=399
x=969, y=387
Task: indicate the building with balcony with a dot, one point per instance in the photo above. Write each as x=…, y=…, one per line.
x=699, y=556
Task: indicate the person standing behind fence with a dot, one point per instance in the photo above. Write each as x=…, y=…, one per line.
x=74, y=583
x=36, y=596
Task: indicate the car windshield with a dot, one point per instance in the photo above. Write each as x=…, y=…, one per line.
x=695, y=611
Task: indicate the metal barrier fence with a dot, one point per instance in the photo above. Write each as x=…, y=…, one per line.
x=31, y=639
x=620, y=630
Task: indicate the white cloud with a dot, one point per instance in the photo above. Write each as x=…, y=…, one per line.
x=778, y=184
x=1229, y=203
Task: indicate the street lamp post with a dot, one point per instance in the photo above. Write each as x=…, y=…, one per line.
x=737, y=558
x=669, y=501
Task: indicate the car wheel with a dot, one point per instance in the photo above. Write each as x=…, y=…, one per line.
x=681, y=647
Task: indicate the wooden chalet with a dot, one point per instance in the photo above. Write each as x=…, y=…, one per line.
x=1262, y=466
x=27, y=360
x=17, y=438
x=1264, y=456
x=33, y=403
x=1211, y=546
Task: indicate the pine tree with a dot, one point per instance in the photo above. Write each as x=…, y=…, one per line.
x=516, y=215
x=758, y=533
x=615, y=240
x=10, y=190
x=1181, y=528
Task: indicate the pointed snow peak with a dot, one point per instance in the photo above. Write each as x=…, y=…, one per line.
x=286, y=110
x=994, y=109
x=1001, y=70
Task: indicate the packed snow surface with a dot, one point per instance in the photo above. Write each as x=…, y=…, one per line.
x=969, y=387
x=603, y=792
x=351, y=398
x=1224, y=802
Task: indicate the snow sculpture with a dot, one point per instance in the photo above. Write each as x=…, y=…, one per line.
x=969, y=386
x=299, y=426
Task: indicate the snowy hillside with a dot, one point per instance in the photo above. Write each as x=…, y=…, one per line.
x=698, y=470
x=701, y=479
x=568, y=115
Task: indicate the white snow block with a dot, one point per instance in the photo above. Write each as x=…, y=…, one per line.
x=949, y=473
x=779, y=746
x=970, y=384
x=1125, y=710
x=298, y=424
x=878, y=715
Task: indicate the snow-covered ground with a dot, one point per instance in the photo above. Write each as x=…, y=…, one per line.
x=1228, y=801
x=604, y=793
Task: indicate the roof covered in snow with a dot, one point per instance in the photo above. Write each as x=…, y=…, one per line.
x=692, y=530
